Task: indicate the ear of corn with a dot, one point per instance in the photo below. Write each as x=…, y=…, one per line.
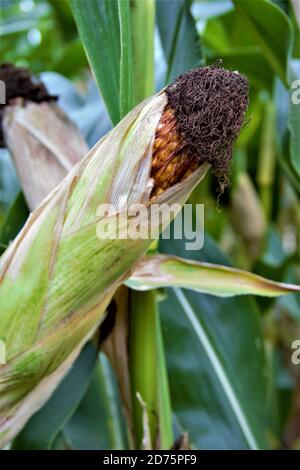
x=58, y=277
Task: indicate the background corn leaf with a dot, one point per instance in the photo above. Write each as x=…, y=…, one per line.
x=272, y=30
x=177, y=26
x=98, y=421
x=41, y=430
x=126, y=98
x=219, y=378
x=14, y=220
x=294, y=115
x=99, y=29
x=225, y=36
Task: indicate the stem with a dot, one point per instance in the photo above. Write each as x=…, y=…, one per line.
x=266, y=162
x=142, y=363
x=164, y=402
x=148, y=373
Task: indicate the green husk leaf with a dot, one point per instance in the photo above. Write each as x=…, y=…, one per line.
x=222, y=281
x=42, y=429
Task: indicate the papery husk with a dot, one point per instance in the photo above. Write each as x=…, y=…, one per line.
x=44, y=144
x=57, y=277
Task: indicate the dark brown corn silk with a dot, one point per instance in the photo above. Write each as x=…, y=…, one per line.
x=201, y=122
x=20, y=84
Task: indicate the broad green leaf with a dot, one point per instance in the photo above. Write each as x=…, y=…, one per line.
x=249, y=61
x=45, y=425
x=105, y=30
x=286, y=127
x=179, y=37
x=70, y=60
x=294, y=114
x=126, y=99
x=98, y=422
x=272, y=30
x=217, y=366
x=224, y=32
x=142, y=28
x=169, y=271
x=98, y=25
x=59, y=442
x=13, y=221
x=276, y=263
x=63, y=14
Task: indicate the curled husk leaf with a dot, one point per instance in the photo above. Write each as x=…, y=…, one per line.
x=44, y=144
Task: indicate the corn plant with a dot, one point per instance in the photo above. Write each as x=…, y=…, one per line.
x=121, y=343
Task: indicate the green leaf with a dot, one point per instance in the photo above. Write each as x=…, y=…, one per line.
x=98, y=422
x=59, y=442
x=249, y=61
x=216, y=362
x=105, y=30
x=70, y=60
x=272, y=30
x=169, y=271
x=142, y=27
x=294, y=115
x=126, y=99
x=179, y=36
x=285, y=113
x=98, y=25
x=45, y=425
x=13, y=221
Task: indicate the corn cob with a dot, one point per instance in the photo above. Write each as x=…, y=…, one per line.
x=57, y=277
x=170, y=161
x=203, y=117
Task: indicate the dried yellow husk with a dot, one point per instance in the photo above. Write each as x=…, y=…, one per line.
x=57, y=277
x=45, y=146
